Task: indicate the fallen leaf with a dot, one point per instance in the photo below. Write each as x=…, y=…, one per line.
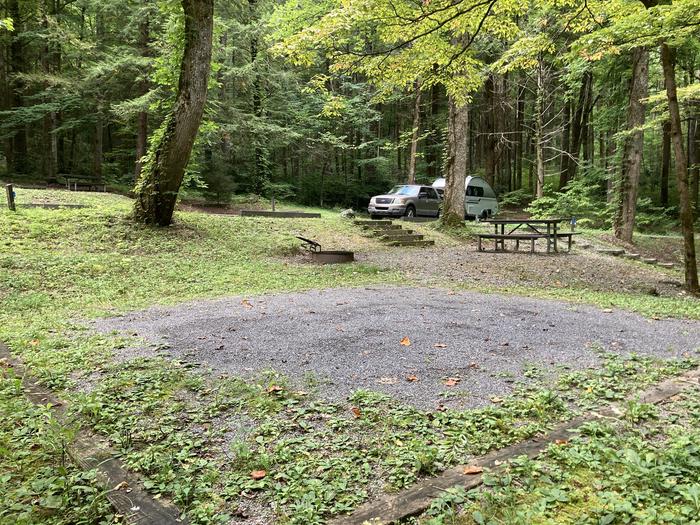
x=607, y=310
x=405, y=341
x=388, y=380
x=496, y=400
x=246, y=303
x=356, y=411
x=411, y=378
x=274, y=389
x=561, y=441
x=452, y=381
x=474, y=365
x=258, y=474
x=439, y=345
x=472, y=469
x=34, y=342
x=121, y=486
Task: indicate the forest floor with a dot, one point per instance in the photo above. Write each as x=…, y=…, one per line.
x=196, y=429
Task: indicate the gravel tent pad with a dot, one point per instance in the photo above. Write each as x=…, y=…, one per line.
x=348, y=339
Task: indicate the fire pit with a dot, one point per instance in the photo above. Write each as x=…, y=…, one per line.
x=319, y=256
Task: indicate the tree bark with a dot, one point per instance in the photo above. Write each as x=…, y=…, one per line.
x=415, y=136
x=686, y=212
x=157, y=189
x=578, y=126
x=457, y=161
x=142, y=117
x=632, y=154
x=565, y=145
x=665, y=161
x=17, y=66
x=695, y=166
x=539, y=132
x=519, y=120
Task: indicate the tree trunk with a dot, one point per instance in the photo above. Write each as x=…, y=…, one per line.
x=490, y=163
x=539, y=135
x=98, y=147
x=632, y=154
x=142, y=117
x=457, y=161
x=416, y=135
x=520, y=118
x=17, y=66
x=565, y=145
x=578, y=125
x=665, y=161
x=695, y=166
x=157, y=189
x=686, y=212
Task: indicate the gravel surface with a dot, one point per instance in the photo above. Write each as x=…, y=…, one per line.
x=581, y=269
x=347, y=339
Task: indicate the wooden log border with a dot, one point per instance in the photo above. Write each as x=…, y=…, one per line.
x=90, y=451
x=417, y=498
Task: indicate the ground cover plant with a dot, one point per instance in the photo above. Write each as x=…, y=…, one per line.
x=220, y=447
x=642, y=467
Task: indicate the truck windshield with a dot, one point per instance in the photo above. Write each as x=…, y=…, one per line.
x=410, y=191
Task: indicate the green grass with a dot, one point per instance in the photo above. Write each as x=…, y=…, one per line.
x=61, y=267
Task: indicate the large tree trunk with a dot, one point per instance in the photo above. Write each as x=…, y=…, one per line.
x=157, y=189
x=415, y=136
x=490, y=146
x=457, y=161
x=519, y=120
x=634, y=147
x=665, y=161
x=686, y=212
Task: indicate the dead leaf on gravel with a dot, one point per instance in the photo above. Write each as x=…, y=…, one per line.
x=452, y=381
x=388, y=380
x=246, y=303
x=439, y=345
x=607, y=310
x=496, y=400
x=411, y=378
x=356, y=411
x=121, y=486
x=472, y=469
x=474, y=365
x=405, y=341
x=258, y=474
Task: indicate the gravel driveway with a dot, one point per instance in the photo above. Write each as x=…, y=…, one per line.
x=347, y=339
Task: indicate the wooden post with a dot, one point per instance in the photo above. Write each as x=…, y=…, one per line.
x=10, y=197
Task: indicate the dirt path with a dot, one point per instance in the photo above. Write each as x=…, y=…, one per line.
x=341, y=340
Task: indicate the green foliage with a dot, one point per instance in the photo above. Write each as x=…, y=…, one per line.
x=38, y=484
x=581, y=199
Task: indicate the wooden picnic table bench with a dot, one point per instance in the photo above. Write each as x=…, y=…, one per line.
x=532, y=230
x=90, y=182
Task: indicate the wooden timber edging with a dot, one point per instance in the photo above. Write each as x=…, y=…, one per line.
x=280, y=214
x=416, y=499
x=90, y=451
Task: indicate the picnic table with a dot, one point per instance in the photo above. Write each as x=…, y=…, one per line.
x=526, y=230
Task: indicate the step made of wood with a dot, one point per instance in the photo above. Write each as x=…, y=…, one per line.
x=402, y=238
x=379, y=227
x=666, y=265
x=649, y=260
x=395, y=233
x=370, y=223
x=412, y=243
x=611, y=251
x=634, y=256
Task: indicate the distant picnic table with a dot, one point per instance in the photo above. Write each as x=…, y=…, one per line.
x=526, y=230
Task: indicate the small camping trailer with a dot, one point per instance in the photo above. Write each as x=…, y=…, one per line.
x=479, y=200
